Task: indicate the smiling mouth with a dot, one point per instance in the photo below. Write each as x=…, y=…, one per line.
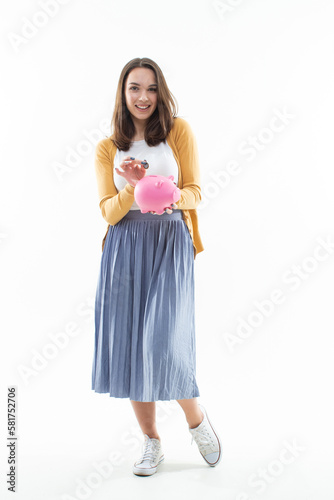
x=142, y=108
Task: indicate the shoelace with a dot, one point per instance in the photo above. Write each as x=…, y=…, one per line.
x=150, y=451
x=203, y=440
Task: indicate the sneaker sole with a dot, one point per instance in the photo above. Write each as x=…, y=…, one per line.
x=220, y=450
x=147, y=472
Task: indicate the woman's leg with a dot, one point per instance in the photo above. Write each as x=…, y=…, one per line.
x=192, y=411
x=145, y=413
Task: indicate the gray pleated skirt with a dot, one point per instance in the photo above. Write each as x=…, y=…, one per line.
x=145, y=310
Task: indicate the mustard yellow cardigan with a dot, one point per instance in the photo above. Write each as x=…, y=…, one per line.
x=114, y=205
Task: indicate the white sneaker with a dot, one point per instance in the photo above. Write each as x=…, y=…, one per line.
x=207, y=440
x=152, y=456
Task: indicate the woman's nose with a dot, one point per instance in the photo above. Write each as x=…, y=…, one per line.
x=143, y=97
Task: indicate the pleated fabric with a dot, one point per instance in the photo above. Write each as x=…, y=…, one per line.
x=145, y=347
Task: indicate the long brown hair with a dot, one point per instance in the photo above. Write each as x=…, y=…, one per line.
x=161, y=121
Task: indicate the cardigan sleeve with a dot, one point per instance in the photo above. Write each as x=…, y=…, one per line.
x=186, y=145
x=113, y=205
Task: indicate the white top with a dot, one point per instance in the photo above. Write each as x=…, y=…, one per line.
x=160, y=158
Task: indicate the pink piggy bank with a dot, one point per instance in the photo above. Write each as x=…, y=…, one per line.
x=155, y=193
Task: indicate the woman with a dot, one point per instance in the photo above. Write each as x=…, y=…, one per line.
x=144, y=306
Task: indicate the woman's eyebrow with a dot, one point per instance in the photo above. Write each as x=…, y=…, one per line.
x=152, y=84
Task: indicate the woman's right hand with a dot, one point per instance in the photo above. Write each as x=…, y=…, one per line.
x=134, y=171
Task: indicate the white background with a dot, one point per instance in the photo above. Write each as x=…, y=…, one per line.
x=232, y=66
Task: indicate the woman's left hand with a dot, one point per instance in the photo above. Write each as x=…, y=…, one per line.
x=168, y=210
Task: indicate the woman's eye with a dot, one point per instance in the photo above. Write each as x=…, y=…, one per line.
x=136, y=88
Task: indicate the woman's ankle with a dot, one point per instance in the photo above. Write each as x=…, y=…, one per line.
x=153, y=435
x=196, y=422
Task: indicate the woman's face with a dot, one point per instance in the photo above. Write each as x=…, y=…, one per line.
x=141, y=94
